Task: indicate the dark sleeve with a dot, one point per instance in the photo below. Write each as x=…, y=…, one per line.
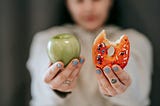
x=62, y=94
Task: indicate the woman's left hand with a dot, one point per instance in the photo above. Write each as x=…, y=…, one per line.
x=113, y=80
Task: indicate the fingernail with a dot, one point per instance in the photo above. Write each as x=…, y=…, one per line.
x=81, y=60
x=115, y=68
x=59, y=65
x=75, y=63
x=107, y=70
x=98, y=71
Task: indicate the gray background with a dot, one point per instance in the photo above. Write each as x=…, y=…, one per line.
x=21, y=19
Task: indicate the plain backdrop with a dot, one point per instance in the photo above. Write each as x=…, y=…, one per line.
x=21, y=19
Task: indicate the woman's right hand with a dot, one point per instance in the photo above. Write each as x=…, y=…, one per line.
x=63, y=78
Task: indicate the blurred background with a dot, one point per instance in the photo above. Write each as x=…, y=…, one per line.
x=21, y=19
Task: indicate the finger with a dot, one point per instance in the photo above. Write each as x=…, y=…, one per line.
x=104, y=83
x=71, y=67
x=81, y=60
x=52, y=71
x=102, y=90
x=114, y=81
x=122, y=75
x=76, y=72
x=50, y=63
x=61, y=77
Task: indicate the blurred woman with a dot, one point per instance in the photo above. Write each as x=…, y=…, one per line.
x=80, y=83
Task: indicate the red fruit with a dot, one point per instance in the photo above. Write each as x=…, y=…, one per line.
x=105, y=52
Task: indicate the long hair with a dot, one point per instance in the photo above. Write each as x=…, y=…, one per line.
x=66, y=18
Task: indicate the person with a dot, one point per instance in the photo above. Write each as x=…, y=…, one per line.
x=80, y=83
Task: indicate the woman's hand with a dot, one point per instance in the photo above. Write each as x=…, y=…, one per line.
x=63, y=79
x=112, y=81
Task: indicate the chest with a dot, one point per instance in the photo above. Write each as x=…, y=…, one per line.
x=87, y=81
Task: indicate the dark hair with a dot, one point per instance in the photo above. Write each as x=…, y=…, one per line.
x=66, y=15
x=113, y=17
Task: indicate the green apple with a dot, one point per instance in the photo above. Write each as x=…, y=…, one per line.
x=63, y=47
